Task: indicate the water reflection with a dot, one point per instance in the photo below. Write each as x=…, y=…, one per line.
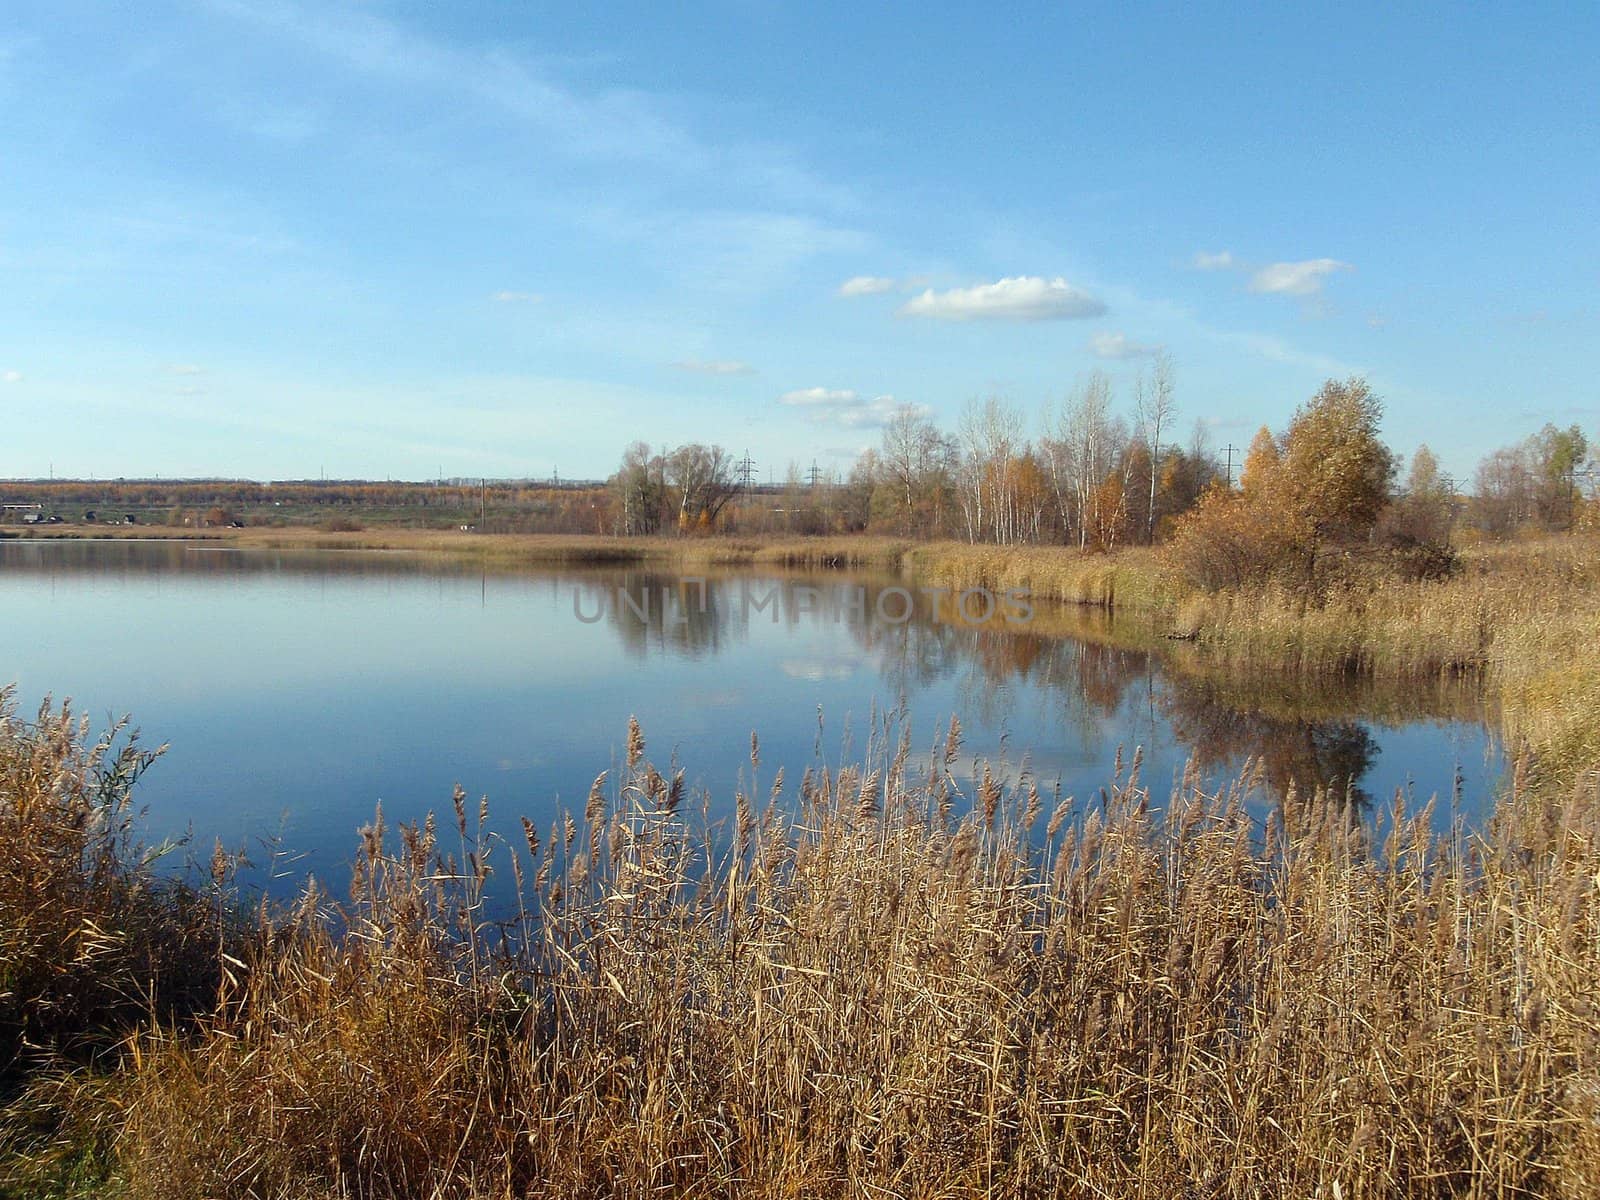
x=311, y=685
x=196, y=560
x=1301, y=734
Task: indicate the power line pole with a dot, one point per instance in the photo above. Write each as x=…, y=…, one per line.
x=813, y=475
x=1232, y=450
x=747, y=472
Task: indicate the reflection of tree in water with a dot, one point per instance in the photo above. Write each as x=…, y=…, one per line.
x=151, y=557
x=1300, y=731
x=914, y=654
x=651, y=611
x=1309, y=753
x=1301, y=740
x=1088, y=680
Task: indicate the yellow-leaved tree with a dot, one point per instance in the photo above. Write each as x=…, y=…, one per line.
x=1324, y=483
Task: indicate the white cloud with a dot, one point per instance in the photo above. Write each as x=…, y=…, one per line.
x=866, y=285
x=185, y=369
x=1107, y=344
x=878, y=412
x=506, y=297
x=1204, y=260
x=1296, y=278
x=11, y=377
x=715, y=366
x=820, y=397
x=846, y=408
x=1016, y=298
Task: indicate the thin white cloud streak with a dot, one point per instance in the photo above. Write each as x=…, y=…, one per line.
x=1107, y=344
x=510, y=297
x=11, y=377
x=1222, y=260
x=1179, y=319
x=879, y=411
x=714, y=366
x=819, y=397
x=847, y=408
x=1015, y=298
x=866, y=285
x=1296, y=278
x=618, y=124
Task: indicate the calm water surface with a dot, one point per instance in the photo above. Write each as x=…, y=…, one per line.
x=300, y=689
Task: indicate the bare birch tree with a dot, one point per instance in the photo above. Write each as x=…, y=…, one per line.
x=1156, y=409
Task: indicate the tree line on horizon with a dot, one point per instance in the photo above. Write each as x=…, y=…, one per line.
x=1092, y=473
x=1094, y=478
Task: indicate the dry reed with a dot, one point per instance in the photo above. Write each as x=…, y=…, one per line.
x=884, y=986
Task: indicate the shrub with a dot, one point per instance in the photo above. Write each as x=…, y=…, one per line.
x=1230, y=541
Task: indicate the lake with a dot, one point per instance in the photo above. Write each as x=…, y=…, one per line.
x=299, y=689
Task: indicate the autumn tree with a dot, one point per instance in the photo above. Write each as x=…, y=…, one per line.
x=1337, y=472
x=1325, y=482
x=1557, y=455
x=1261, y=461
x=1082, y=447
x=702, y=483
x=916, y=462
x=1534, y=484
x=992, y=444
x=1184, y=476
x=1416, y=527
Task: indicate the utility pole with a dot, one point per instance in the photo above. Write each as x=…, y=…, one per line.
x=747, y=472
x=1232, y=450
x=813, y=475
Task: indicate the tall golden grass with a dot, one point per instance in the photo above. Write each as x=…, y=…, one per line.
x=1129, y=580
x=1523, y=618
x=94, y=943
x=893, y=984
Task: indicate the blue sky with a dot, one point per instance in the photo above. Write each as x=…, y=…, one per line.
x=268, y=239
